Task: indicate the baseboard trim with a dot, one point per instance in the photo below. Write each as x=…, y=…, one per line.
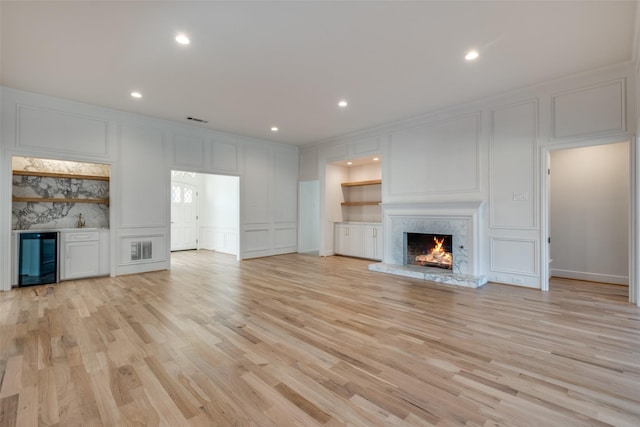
x=591, y=277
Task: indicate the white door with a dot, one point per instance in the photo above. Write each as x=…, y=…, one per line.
x=184, y=217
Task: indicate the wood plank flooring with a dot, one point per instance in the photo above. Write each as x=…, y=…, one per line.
x=297, y=340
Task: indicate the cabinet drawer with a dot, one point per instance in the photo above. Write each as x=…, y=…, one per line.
x=85, y=236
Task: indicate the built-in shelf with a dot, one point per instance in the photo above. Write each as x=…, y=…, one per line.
x=60, y=175
x=361, y=183
x=368, y=203
x=58, y=200
x=370, y=182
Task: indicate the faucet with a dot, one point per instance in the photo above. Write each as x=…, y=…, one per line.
x=81, y=222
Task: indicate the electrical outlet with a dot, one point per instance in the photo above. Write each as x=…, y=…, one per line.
x=518, y=281
x=520, y=196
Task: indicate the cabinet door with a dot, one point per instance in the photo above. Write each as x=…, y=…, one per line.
x=378, y=242
x=372, y=242
x=354, y=240
x=348, y=240
x=81, y=259
x=341, y=240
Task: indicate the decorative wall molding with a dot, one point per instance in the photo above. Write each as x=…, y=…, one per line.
x=366, y=146
x=426, y=155
x=590, y=111
x=58, y=131
x=188, y=151
x=224, y=156
x=512, y=167
x=509, y=252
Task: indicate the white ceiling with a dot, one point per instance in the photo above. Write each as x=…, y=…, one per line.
x=252, y=65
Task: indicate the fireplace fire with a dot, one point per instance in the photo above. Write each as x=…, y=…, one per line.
x=429, y=250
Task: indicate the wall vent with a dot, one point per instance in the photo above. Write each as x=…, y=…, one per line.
x=195, y=119
x=141, y=250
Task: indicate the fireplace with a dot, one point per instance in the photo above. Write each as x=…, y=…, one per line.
x=429, y=250
x=456, y=224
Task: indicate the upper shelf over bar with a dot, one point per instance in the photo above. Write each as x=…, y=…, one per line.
x=60, y=175
x=361, y=183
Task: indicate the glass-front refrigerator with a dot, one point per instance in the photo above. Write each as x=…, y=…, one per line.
x=38, y=261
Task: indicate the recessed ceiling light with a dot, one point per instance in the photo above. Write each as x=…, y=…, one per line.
x=375, y=159
x=182, y=39
x=274, y=128
x=342, y=104
x=349, y=163
x=471, y=55
x=136, y=94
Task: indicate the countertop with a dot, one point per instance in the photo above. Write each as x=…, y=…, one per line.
x=62, y=230
x=358, y=222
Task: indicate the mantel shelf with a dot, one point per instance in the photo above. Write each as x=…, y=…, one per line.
x=362, y=183
x=58, y=200
x=370, y=203
x=60, y=175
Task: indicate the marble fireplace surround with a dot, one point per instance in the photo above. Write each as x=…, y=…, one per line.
x=459, y=219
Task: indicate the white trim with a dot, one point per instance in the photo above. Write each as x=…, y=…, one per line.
x=591, y=277
x=634, y=219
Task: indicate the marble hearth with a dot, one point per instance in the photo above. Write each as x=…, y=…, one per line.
x=461, y=220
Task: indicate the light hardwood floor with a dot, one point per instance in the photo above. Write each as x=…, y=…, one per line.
x=303, y=340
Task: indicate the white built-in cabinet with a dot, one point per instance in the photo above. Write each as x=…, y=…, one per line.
x=362, y=240
x=372, y=241
x=83, y=253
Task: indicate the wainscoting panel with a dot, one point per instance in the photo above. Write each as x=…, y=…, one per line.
x=589, y=111
x=285, y=207
x=61, y=132
x=366, y=146
x=144, y=190
x=286, y=236
x=256, y=239
x=308, y=170
x=142, y=248
x=514, y=256
x=512, y=166
x=188, y=151
x=334, y=152
x=255, y=186
x=219, y=239
x=437, y=158
x=225, y=156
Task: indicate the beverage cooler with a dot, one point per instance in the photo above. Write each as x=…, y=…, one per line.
x=38, y=258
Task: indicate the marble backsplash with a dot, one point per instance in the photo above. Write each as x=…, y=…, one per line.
x=45, y=216
x=50, y=215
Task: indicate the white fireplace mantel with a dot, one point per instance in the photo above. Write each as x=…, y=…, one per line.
x=459, y=219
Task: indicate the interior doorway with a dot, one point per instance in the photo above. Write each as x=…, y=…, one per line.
x=184, y=211
x=588, y=213
x=309, y=217
x=205, y=212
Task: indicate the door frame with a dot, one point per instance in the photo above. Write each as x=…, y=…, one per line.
x=634, y=220
x=196, y=189
x=239, y=242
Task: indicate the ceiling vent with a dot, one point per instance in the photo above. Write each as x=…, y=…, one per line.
x=195, y=119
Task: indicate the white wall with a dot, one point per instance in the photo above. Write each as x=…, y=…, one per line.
x=589, y=209
x=309, y=216
x=141, y=152
x=490, y=151
x=219, y=213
